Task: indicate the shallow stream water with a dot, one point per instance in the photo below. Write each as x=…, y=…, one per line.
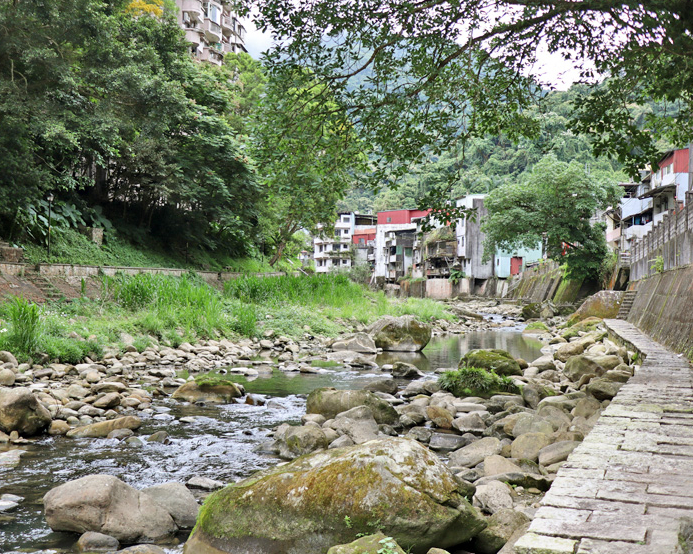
x=219, y=444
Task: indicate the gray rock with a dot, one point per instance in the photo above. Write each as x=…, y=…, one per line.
x=329, y=402
x=469, y=423
x=103, y=428
x=579, y=366
x=358, y=342
x=297, y=441
x=495, y=464
x=502, y=525
x=370, y=544
x=7, y=377
x=105, y=504
x=402, y=334
x=472, y=454
x=358, y=423
x=21, y=411
x=403, y=370
x=8, y=358
x=603, y=389
x=527, y=446
x=204, y=483
x=446, y=442
x=492, y=497
x=586, y=407
x=544, y=363
x=97, y=542
x=556, y=452
x=341, y=442
x=178, y=501
x=388, y=386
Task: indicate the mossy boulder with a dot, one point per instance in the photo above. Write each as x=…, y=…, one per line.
x=217, y=391
x=585, y=326
x=604, y=304
x=306, y=506
x=329, y=402
x=500, y=362
x=371, y=544
x=531, y=310
x=400, y=334
x=536, y=328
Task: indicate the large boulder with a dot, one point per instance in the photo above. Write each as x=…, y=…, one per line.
x=219, y=393
x=329, y=402
x=102, y=429
x=400, y=334
x=104, y=504
x=178, y=501
x=502, y=525
x=21, y=411
x=578, y=366
x=500, y=362
x=358, y=342
x=604, y=304
x=331, y=497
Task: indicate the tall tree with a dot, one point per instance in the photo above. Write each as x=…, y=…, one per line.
x=552, y=205
x=418, y=77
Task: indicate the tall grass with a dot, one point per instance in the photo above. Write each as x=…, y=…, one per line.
x=24, y=331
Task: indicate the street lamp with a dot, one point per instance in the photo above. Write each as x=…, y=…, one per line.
x=50, y=206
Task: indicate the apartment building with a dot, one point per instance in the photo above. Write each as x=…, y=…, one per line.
x=334, y=248
x=395, y=236
x=211, y=29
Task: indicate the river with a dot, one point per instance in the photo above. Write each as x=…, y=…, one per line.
x=219, y=443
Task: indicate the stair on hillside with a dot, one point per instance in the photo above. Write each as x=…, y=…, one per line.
x=626, y=304
x=48, y=290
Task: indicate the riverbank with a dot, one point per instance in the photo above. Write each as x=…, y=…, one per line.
x=202, y=438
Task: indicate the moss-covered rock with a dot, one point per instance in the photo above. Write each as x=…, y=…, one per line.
x=371, y=544
x=531, y=310
x=536, y=328
x=329, y=402
x=215, y=392
x=400, y=334
x=604, y=304
x=326, y=498
x=500, y=362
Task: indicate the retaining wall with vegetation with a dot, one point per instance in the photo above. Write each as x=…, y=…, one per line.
x=663, y=308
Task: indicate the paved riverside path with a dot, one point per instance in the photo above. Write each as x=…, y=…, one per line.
x=628, y=488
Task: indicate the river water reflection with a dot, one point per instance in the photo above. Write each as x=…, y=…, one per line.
x=219, y=444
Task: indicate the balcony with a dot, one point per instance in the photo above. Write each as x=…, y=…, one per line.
x=227, y=26
x=193, y=8
x=634, y=206
x=212, y=55
x=240, y=31
x=636, y=231
x=613, y=235
x=321, y=255
x=193, y=36
x=212, y=31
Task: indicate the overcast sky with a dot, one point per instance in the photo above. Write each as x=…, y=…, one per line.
x=552, y=68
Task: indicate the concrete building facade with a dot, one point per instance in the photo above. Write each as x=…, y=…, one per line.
x=334, y=248
x=211, y=29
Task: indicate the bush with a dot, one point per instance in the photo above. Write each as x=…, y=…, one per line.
x=474, y=381
x=25, y=326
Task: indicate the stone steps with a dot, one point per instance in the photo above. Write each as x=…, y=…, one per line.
x=49, y=291
x=626, y=304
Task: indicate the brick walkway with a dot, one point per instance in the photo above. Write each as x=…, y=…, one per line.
x=629, y=485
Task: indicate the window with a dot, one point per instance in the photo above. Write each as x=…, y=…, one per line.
x=389, y=220
x=345, y=219
x=345, y=262
x=362, y=241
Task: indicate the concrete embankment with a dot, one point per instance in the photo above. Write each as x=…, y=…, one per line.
x=663, y=308
x=547, y=282
x=628, y=486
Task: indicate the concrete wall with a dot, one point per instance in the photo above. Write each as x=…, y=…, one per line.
x=69, y=270
x=547, y=282
x=663, y=308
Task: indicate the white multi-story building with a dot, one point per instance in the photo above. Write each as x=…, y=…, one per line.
x=334, y=248
x=211, y=29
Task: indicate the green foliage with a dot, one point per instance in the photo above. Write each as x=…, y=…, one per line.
x=105, y=109
x=473, y=381
x=658, y=265
x=552, y=205
x=24, y=334
x=456, y=275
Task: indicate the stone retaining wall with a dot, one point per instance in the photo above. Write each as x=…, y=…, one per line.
x=663, y=308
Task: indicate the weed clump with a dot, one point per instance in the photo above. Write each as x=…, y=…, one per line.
x=475, y=381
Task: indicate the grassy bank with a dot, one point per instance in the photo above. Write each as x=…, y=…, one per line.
x=146, y=309
x=71, y=247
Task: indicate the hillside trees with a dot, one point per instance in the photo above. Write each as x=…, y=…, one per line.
x=421, y=77
x=103, y=106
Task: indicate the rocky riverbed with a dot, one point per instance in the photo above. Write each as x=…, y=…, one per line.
x=499, y=453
